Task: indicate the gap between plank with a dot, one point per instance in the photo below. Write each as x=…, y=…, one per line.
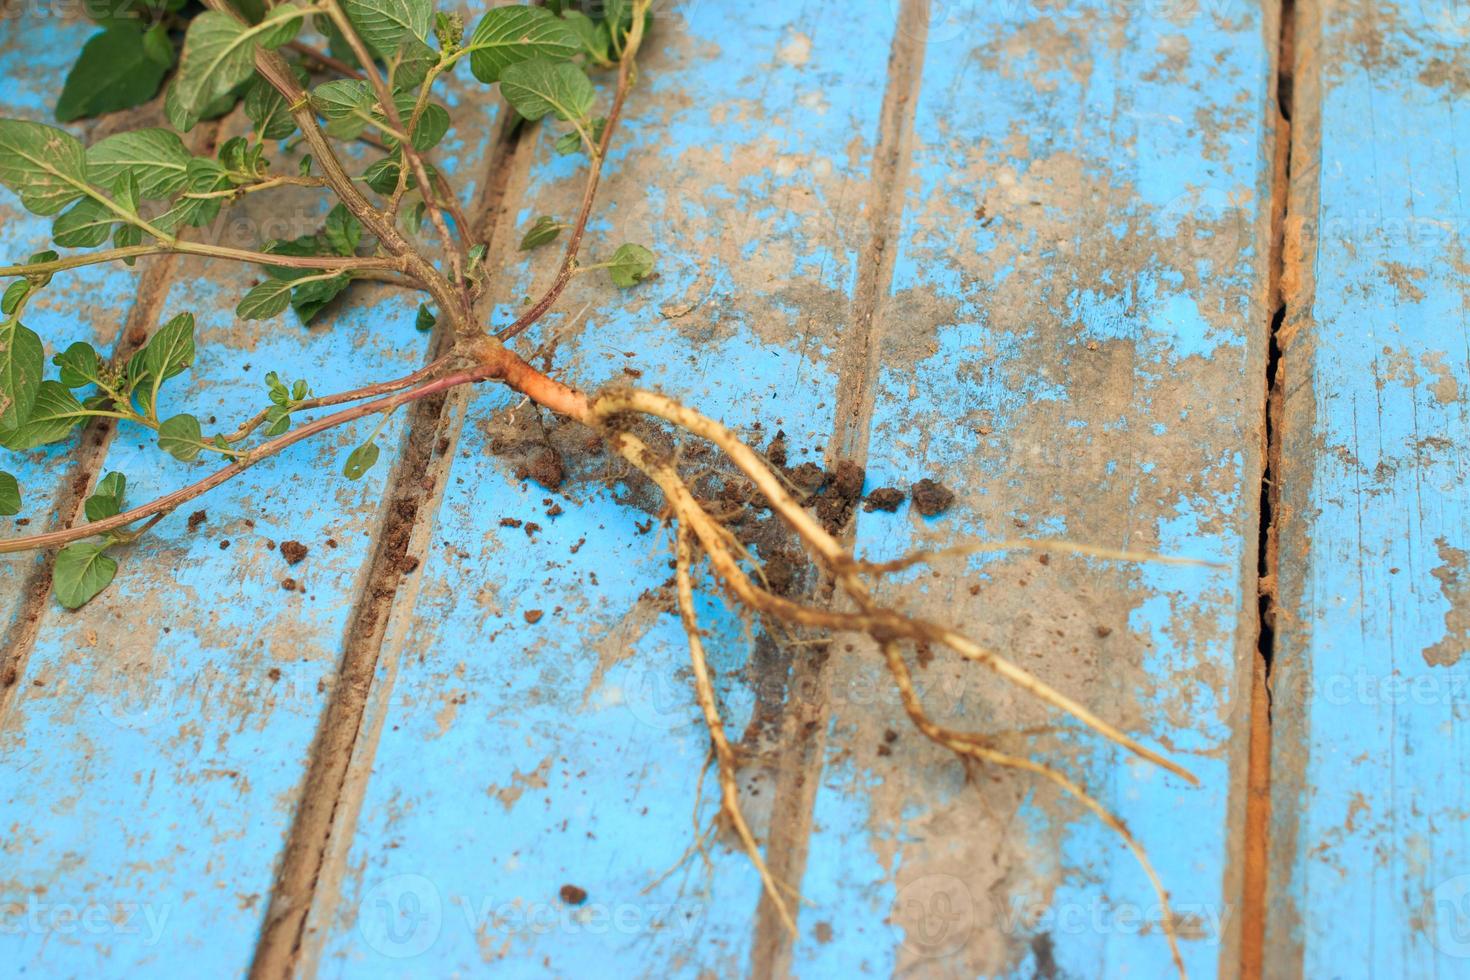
x=1255, y=851
x=410, y=505
x=799, y=764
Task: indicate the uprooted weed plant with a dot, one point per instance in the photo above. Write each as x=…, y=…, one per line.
x=399, y=221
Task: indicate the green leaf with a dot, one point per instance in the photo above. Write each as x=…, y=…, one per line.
x=386, y=24
x=343, y=231
x=156, y=157
x=126, y=193
x=181, y=437
x=630, y=265
x=383, y=176
x=433, y=123
x=203, y=176
x=266, y=300
x=277, y=419
x=543, y=232
x=346, y=104
x=46, y=167
x=267, y=109
x=14, y=294
x=84, y=226
x=79, y=365
x=9, y=495
x=117, y=69
x=126, y=236
x=82, y=570
x=219, y=54
x=510, y=35
x=106, y=501
x=594, y=42
x=22, y=359
x=310, y=298
x=570, y=143
x=538, y=87
x=413, y=63
x=54, y=414
x=171, y=349
x=360, y=461
x=425, y=319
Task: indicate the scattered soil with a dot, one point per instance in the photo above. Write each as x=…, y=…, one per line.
x=931, y=498
x=546, y=469
x=844, y=490
x=289, y=584
x=197, y=518
x=776, y=451
x=572, y=895
x=809, y=477
x=885, y=499
x=533, y=615
x=292, y=551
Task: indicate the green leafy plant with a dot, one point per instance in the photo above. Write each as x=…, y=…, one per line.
x=396, y=220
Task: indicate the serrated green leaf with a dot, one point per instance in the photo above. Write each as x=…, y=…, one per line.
x=360, y=461
x=343, y=231
x=594, y=41
x=203, y=176
x=510, y=35
x=117, y=69
x=267, y=109
x=219, y=54
x=310, y=298
x=107, y=499
x=181, y=437
x=411, y=65
x=266, y=300
x=14, y=293
x=79, y=365
x=45, y=166
x=346, y=104
x=630, y=265
x=171, y=349
x=543, y=232
x=83, y=569
x=386, y=24
x=87, y=224
x=126, y=194
x=53, y=415
x=9, y=495
x=156, y=157
x=538, y=87
x=22, y=359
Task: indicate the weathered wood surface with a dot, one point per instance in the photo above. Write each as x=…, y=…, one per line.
x=154, y=741
x=1022, y=248
x=1371, y=862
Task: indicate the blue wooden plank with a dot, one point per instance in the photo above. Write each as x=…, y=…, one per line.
x=1371, y=859
x=503, y=758
x=154, y=753
x=34, y=55
x=1076, y=317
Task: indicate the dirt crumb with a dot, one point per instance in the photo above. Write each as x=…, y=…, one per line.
x=885, y=499
x=293, y=552
x=809, y=477
x=823, y=932
x=534, y=615
x=196, y=519
x=572, y=895
x=931, y=498
x=546, y=469
x=289, y=584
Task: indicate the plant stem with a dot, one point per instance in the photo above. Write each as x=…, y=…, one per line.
x=589, y=194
